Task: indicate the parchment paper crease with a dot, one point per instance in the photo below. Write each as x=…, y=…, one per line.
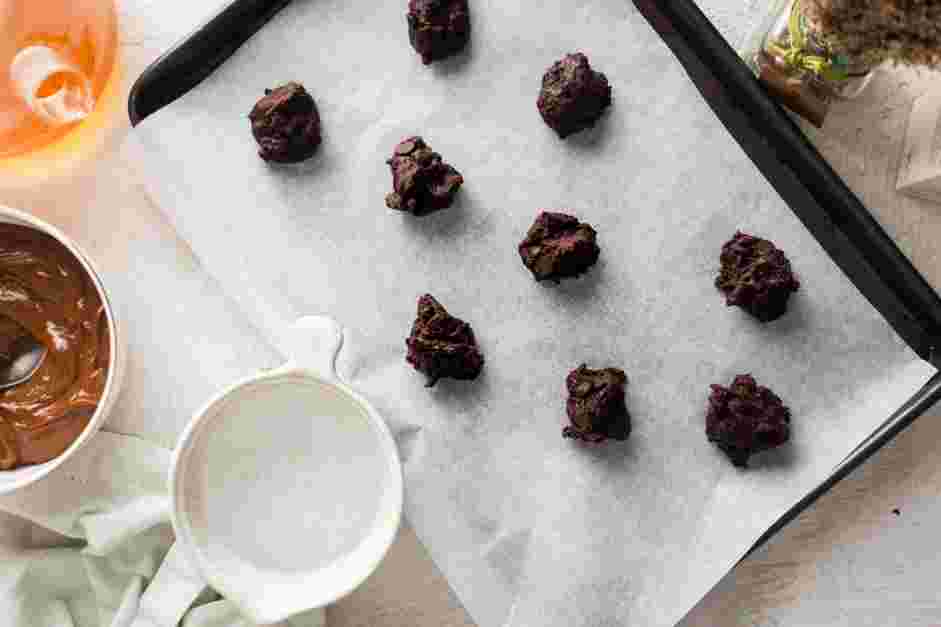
x=529, y=528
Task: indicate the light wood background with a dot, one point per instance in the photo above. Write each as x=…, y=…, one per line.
x=847, y=561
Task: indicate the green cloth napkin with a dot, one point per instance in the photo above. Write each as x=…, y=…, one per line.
x=79, y=548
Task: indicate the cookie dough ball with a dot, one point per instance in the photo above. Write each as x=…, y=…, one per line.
x=441, y=345
x=421, y=182
x=746, y=418
x=558, y=246
x=438, y=28
x=286, y=124
x=595, y=406
x=756, y=276
x=573, y=95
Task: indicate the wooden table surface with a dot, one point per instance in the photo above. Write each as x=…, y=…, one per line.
x=849, y=560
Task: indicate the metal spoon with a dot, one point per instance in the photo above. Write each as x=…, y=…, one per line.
x=22, y=360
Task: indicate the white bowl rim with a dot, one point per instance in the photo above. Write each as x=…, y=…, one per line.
x=112, y=387
x=180, y=519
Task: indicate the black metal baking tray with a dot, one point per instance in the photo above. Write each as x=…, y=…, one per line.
x=816, y=194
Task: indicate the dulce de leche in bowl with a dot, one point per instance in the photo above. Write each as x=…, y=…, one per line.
x=46, y=292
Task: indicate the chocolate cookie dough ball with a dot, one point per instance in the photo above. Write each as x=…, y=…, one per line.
x=438, y=28
x=286, y=124
x=441, y=345
x=573, y=95
x=746, y=418
x=596, y=407
x=421, y=182
x=558, y=246
x=756, y=276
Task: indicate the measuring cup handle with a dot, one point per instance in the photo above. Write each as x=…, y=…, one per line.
x=316, y=342
x=171, y=592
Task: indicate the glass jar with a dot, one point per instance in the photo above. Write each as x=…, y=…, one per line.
x=56, y=60
x=798, y=67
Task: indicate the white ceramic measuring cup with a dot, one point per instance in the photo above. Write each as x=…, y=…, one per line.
x=286, y=489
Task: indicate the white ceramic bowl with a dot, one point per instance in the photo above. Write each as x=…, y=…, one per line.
x=17, y=478
x=287, y=486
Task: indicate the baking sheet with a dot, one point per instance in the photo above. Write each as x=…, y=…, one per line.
x=531, y=529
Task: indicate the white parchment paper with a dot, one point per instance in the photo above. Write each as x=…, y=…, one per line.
x=532, y=529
